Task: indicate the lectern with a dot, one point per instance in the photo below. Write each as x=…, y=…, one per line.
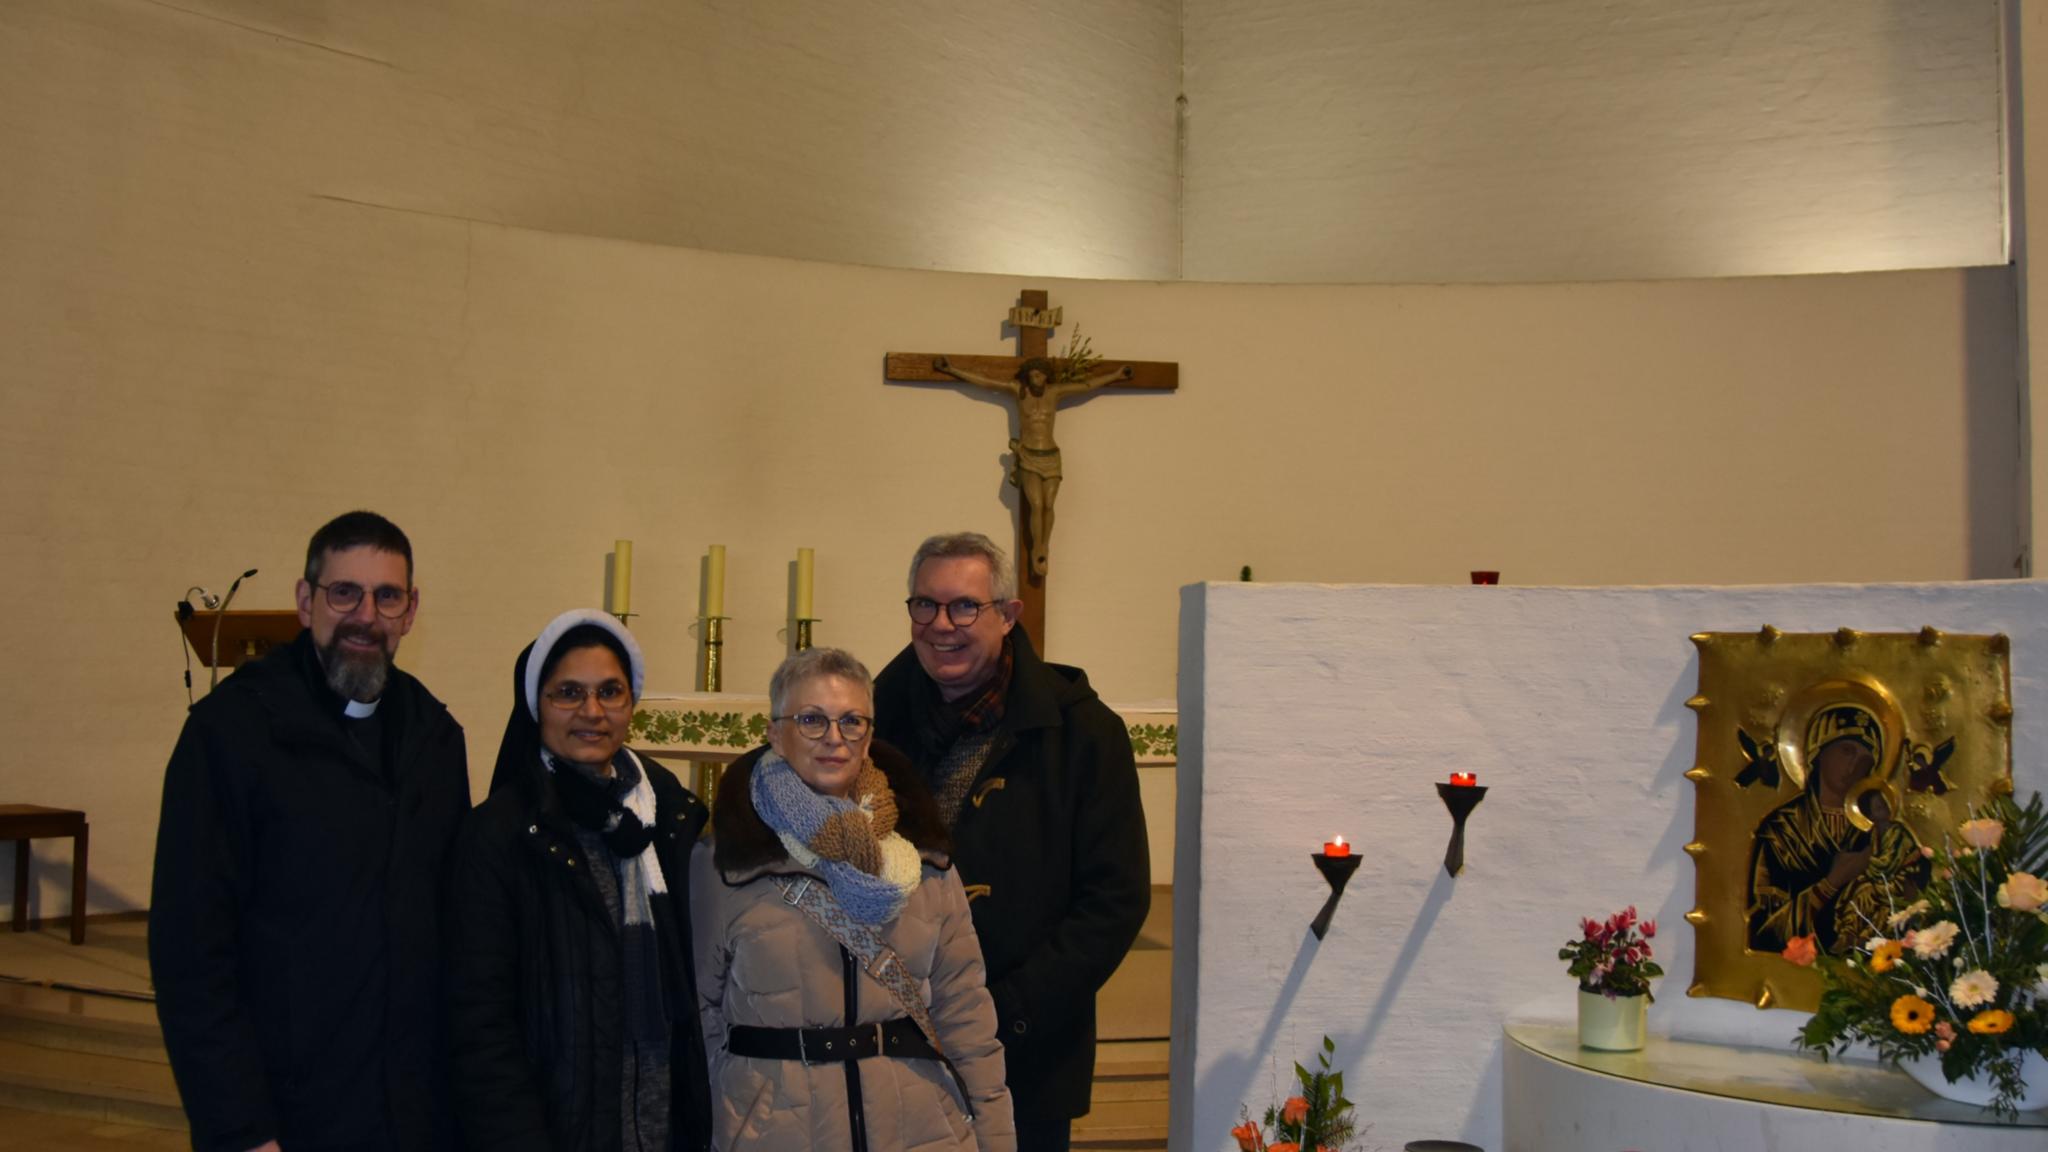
x=244, y=635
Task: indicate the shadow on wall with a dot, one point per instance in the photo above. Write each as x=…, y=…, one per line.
x=1231, y=1076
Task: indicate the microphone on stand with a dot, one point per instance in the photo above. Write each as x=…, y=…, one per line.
x=218, y=612
x=185, y=613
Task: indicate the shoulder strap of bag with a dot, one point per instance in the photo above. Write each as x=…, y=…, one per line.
x=815, y=899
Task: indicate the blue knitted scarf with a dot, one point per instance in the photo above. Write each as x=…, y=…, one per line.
x=799, y=817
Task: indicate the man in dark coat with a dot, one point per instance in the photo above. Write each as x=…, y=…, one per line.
x=1034, y=775
x=294, y=935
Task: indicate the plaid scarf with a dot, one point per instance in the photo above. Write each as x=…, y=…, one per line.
x=985, y=711
x=939, y=725
x=955, y=739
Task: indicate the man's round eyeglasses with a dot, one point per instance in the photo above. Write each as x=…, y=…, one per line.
x=612, y=696
x=814, y=725
x=344, y=595
x=962, y=612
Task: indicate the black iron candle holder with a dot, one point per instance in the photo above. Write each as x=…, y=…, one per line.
x=1337, y=870
x=1461, y=799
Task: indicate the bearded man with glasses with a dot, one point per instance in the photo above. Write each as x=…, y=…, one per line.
x=295, y=914
x=1034, y=777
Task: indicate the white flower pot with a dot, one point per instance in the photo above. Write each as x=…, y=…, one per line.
x=1980, y=1089
x=1615, y=1025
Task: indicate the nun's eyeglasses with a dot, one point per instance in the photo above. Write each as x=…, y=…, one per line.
x=612, y=696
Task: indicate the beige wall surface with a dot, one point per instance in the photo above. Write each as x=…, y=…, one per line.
x=923, y=134
x=1415, y=140
x=212, y=350
x=192, y=398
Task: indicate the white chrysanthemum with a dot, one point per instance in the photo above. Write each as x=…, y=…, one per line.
x=1973, y=989
x=1874, y=943
x=1932, y=942
x=901, y=865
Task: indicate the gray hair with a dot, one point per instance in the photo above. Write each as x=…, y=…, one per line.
x=812, y=663
x=1004, y=582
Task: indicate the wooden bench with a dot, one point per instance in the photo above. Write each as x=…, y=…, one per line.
x=22, y=823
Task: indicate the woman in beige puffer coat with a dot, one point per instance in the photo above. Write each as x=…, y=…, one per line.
x=777, y=990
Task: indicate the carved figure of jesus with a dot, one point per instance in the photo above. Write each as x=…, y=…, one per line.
x=1036, y=471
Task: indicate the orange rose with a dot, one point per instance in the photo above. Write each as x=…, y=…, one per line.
x=1248, y=1136
x=1294, y=1111
x=1912, y=1015
x=1801, y=951
x=1991, y=1022
x=1283, y=1148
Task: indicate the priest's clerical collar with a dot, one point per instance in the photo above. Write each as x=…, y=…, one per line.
x=357, y=710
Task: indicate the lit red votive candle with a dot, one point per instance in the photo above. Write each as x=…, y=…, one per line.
x=1464, y=779
x=1336, y=847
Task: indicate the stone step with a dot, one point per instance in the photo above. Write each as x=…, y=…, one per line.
x=1122, y=1123
x=80, y=1022
x=1129, y=1113
x=1125, y=1058
x=89, y=1084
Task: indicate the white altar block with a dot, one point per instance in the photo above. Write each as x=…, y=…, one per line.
x=1313, y=710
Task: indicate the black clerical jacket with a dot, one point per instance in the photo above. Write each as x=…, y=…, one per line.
x=294, y=932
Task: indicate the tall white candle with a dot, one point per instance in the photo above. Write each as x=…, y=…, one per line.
x=806, y=577
x=714, y=582
x=622, y=577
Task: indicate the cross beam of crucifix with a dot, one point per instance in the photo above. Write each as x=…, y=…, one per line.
x=1036, y=383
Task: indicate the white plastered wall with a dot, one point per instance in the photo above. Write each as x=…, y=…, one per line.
x=1307, y=711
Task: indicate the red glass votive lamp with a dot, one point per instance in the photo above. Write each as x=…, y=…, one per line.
x=1336, y=846
x=1464, y=779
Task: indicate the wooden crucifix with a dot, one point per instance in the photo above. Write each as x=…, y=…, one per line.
x=1037, y=383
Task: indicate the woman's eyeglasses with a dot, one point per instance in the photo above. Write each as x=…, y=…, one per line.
x=814, y=725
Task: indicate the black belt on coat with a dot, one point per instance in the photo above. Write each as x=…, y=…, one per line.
x=899, y=1037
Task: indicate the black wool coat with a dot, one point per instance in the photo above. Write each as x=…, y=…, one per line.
x=295, y=931
x=1051, y=846
x=536, y=998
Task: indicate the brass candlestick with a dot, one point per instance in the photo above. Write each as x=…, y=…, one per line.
x=803, y=632
x=711, y=649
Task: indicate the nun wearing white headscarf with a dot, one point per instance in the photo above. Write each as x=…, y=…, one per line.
x=573, y=1022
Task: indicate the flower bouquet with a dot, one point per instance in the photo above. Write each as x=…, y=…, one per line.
x=1318, y=1120
x=1960, y=974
